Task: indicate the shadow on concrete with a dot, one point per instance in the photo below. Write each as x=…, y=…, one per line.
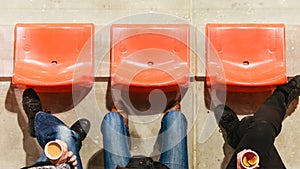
x=96, y=161
x=243, y=103
x=56, y=102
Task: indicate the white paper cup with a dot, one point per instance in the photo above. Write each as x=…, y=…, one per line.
x=53, y=150
x=249, y=159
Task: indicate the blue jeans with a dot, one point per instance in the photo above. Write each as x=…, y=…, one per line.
x=172, y=139
x=48, y=128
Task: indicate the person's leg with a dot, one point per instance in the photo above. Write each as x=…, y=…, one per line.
x=173, y=140
x=273, y=110
x=258, y=136
x=259, y=132
x=274, y=160
x=115, y=141
x=48, y=128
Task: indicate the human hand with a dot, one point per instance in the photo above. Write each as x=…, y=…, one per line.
x=66, y=157
x=72, y=159
x=239, y=159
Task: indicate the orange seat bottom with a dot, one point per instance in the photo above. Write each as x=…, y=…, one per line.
x=150, y=68
x=41, y=76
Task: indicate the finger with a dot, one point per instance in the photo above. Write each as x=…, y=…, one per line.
x=238, y=160
x=70, y=154
x=74, y=163
x=73, y=158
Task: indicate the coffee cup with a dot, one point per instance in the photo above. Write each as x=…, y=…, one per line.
x=249, y=159
x=53, y=150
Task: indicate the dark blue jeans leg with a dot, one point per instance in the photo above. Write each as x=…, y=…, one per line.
x=49, y=127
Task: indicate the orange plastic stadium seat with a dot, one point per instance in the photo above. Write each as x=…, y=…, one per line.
x=53, y=56
x=150, y=56
x=245, y=55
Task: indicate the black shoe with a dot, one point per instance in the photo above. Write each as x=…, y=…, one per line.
x=81, y=127
x=291, y=89
x=31, y=105
x=228, y=123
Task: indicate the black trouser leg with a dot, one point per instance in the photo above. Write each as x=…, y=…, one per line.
x=259, y=136
x=258, y=132
x=273, y=110
x=274, y=161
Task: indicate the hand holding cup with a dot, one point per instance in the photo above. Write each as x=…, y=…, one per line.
x=247, y=159
x=56, y=151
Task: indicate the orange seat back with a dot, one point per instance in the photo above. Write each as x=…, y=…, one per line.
x=246, y=55
x=150, y=55
x=53, y=55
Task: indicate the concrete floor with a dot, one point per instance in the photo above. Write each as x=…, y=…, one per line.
x=206, y=144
